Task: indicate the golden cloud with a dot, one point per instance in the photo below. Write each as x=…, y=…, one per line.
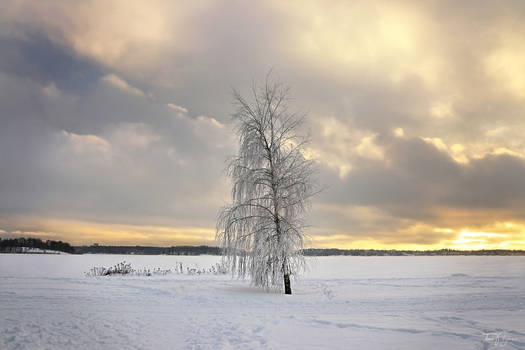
x=506, y=64
x=88, y=232
x=375, y=37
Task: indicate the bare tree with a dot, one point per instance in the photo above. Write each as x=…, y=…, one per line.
x=262, y=231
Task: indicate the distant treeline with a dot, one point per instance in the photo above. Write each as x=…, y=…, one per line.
x=201, y=250
x=13, y=245
x=142, y=250
x=393, y=252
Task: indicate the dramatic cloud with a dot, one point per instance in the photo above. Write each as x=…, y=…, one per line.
x=115, y=117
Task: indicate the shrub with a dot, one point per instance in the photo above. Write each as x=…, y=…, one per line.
x=123, y=268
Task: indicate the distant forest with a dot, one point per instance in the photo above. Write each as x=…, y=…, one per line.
x=142, y=250
x=201, y=250
x=13, y=245
x=393, y=252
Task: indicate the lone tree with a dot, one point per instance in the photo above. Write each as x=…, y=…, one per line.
x=262, y=231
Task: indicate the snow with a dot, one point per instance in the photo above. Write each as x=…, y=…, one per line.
x=37, y=250
x=450, y=302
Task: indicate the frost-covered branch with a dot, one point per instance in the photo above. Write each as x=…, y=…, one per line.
x=262, y=231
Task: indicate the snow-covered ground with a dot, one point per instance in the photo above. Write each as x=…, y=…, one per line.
x=46, y=302
x=35, y=250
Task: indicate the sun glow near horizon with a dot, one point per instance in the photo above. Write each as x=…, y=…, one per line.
x=510, y=237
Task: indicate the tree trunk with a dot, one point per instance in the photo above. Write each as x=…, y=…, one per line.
x=287, y=285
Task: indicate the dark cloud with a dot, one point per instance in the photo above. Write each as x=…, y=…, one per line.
x=417, y=181
x=34, y=56
x=107, y=155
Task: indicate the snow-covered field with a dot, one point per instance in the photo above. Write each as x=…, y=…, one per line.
x=46, y=302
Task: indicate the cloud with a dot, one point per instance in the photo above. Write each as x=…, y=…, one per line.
x=134, y=165
x=122, y=33
x=505, y=64
x=134, y=135
x=51, y=90
x=399, y=132
x=422, y=182
x=181, y=111
x=380, y=38
x=340, y=145
x=81, y=144
x=119, y=83
x=441, y=110
x=121, y=113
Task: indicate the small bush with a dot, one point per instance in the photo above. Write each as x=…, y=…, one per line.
x=124, y=268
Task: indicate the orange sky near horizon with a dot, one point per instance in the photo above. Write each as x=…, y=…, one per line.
x=511, y=236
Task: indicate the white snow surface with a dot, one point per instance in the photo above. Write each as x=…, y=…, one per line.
x=448, y=302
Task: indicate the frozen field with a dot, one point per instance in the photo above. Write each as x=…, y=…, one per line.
x=46, y=302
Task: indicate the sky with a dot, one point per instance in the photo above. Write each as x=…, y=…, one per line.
x=116, y=117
